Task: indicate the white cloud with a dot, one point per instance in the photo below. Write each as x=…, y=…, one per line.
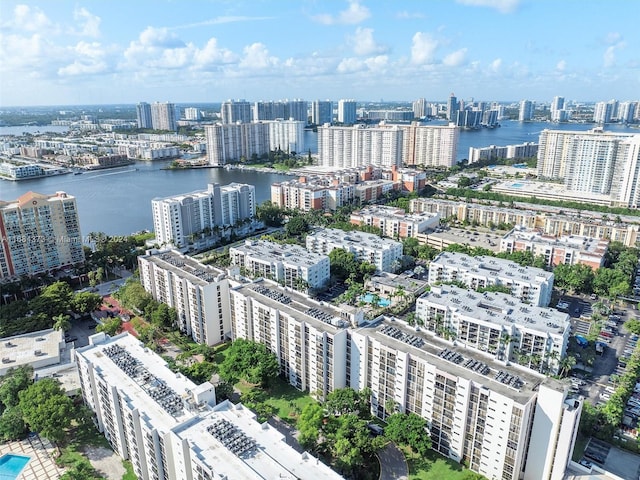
x=377, y=63
x=28, y=19
x=159, y=37
x=503, y=6
x=455, y=59
x=350, y=65
x=256, y=57
x=90, y=23
x=364, y=44
x=404, y=15
x=561, y=65
x=221, y=20
x=495, y=65
x=615, y=42
x=212, y=54
x=423, y=48
x=356, y=13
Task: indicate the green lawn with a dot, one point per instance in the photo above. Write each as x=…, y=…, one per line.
x=578, y=449
x=433, y=466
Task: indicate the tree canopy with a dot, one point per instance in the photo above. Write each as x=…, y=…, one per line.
x=410, y=430
x=250, y=361
x=46, y=408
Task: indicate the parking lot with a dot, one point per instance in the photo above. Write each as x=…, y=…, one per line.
x=614, y=460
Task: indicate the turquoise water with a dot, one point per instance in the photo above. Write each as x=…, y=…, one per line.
x=382, y=302
x=12, y=465
x=517, y=185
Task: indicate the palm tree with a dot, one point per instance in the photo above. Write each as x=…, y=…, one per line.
x=61, y=322
x=566, y=364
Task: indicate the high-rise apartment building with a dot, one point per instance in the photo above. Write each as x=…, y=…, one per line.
x=178, y=217
x=297, y=109
x=359, y=146
x=268, y=111
x=420, y=108
x=605, y=112
x=384, y=253
x=229, y=142
x=199, y=293
x=143, y=114
x=347, y=112
x=163, y=116
x=39, y=234
x=430, y=145
x=287, y=135
x=289, y=265
x=529, y=284
x=626, y=112
x=192, y=113
x=170, y=428
x=321, y=112
x=558, y=111
x=233, y=111
x=525, y=113
x=452, y=108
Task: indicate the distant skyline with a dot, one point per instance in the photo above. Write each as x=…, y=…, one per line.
x=73, y=52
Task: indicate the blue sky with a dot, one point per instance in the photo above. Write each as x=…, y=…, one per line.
x=58, y=52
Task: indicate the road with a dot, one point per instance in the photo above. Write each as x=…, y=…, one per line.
x=393, y=465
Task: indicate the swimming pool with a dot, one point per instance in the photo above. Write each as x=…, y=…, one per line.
x=517, y=185
x=11, y=466
x=382, y=302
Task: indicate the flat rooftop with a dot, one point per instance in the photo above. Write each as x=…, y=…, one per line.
x=353, y=238
x=31, y=347
x=261, y=451
x=276, y=252
x=499, y=309
x=394, y=213
x=406, y=281
x=397, y=334
x=185, y=267
x=319, y=314
x=491, y=266
x=140, y=374
x=593, y=246
x=526, y=188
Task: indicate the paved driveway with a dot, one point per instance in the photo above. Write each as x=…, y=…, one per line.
x=393, y=465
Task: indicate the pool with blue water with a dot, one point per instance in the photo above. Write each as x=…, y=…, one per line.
x=11, y=466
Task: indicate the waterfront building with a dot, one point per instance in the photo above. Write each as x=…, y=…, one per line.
x=391, y=116
x=170, y=428
x=341, y=147
x=289, y=265
x=233, y=111
x=529, y=284
x=558, y=112
x=178, y=219
x=493, y=152
x=21, y=171
x=452, y=108
x=419, y=108
x=371, y=190
x=317, y=193
x=40, y=234
x=163, y=116
x=384, y=253
x=230, y=142
x=268, y=111
x=347, y=112
x=143, y=114
x=297, y=109
x=525, y=113
x=394, y=222
x=480, y=411
x=468, y=118
x=321, y=112
x=198, y=292
x=287, y=135
x=604, y=112
x=496, y=325
x=430, y=145
x=565, y=249
x=412, y=180
x=192, y=114
x=626, y=112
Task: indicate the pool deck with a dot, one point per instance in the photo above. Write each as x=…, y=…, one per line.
x=41, y=466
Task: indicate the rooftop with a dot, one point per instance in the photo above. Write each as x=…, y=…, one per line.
x=498, y=309
x=492, y=266
x=512, y=382
x=583, y=244
x=276, y=252
x=353, y=238
x=32, y=347
x=394, y=213
x=235, y=445
x=185, y=267
x=142, y=377
x=319, y=314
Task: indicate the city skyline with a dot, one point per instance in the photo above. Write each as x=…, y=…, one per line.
x=81, y=52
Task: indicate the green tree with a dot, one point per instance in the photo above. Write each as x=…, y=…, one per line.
x=85, y=302
x=111, y=326
x=12, y=426
x=309, y=425
x=633, y=325
x=12, y=383
x=199, y=372
x=61, y=322
x=464, y=182
x=343, y=401
x=270, y=214
x=224, y=391
x=410, y=430
x=410, y=246
x=46, y=409
x=81, y=470
x=251, y=361
x=54, y=299
x=296, y=226
x=343, y=264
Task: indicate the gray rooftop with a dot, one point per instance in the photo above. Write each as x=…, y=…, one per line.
x=498, y=309
x=185, y=267
x=353, y=239
x=275, y=252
